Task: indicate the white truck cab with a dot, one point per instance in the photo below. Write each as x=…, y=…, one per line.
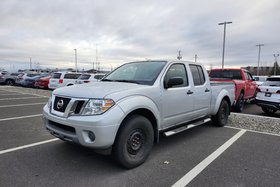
x=126, y=111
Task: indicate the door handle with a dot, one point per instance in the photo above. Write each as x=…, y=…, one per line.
x=207, y=90
x=189, y=92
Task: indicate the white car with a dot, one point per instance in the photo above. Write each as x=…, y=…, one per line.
x=260, y=79
x=61, y=79
x=89, y=78
x=268, y=96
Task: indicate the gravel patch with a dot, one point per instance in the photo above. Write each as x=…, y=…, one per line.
x=255, y=123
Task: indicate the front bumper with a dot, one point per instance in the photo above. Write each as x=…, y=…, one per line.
x=269, y=104
x=77, y=129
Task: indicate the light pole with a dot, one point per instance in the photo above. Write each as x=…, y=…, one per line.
x=76, y=60
x=224, y=41
x=275, y=64
x=259, y=45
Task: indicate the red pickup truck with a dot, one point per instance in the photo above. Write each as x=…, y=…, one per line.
x=245, y=85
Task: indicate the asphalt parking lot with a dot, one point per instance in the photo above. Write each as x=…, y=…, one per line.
x=202, y=156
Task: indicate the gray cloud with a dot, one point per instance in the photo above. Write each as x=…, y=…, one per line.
x=48, y=31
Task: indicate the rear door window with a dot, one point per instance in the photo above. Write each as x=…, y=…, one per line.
x=198, y=75
x=84, y=77
x=71, y=76
x=56, y=76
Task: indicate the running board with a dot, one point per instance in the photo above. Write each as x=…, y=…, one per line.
x=183, y=128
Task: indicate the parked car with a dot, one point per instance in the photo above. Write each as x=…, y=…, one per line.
x=42, y=82
x=125, y=113
x=268, y=96
x=8, y=79
x=260, y=79
x=30, y=81
x=89, y=78
x=245, y=86
x=3, y=72
x=22, y=76
x=60, y=79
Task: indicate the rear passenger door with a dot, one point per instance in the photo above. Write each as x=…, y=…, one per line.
x=201, y=91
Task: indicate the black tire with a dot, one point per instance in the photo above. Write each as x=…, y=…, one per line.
x=239, y=106
x=10, y=82
x=134, y=141
x=268, y=110
x=221, y=118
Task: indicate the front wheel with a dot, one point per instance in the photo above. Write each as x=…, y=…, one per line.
x=134, y=141
x=268, y=110
x=221, y=118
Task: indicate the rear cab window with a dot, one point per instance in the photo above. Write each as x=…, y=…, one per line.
x=226, y=74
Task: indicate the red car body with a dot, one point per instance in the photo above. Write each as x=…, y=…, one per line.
x=42, y=82
x=245, y=85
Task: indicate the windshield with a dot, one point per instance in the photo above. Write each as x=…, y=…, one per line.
x=226, y=74
x=137, y=72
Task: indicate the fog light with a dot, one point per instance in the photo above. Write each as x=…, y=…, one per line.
x=91, y=136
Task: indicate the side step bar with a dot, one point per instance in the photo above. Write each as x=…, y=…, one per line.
x=188, y=126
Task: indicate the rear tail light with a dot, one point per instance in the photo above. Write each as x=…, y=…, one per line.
x=60, y=81
x=86, y=81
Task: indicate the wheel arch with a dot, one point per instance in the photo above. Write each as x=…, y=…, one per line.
x=147, y=114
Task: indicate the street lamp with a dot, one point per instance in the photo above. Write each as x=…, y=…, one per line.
x=76, y=60
x=259, y=57
x=224, y=41
x=275, y=64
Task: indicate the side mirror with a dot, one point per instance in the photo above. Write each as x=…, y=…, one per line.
x=174, y=81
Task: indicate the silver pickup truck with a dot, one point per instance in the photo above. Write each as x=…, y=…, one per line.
x=125, y=113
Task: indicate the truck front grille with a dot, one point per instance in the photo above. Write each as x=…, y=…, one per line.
x=60, y=103
x=79, y=107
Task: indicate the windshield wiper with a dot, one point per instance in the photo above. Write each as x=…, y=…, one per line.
x=109, y=80
x=129, y=81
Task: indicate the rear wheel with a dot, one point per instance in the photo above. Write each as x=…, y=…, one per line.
x=134, y=141
x=240, y=103
x=221, y=118
x=268, y=110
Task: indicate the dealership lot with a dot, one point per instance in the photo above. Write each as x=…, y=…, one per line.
x=202, y=156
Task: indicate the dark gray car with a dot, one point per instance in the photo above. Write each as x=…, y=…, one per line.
x=8, y=79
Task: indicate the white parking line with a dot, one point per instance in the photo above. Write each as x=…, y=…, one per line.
x=254, y=116
x=186, y=179
x=21, y=117
x=4, y=106
x=24, y=93
x=255, y=131
x=16, y=98
x=10, y=94
x=27, y=146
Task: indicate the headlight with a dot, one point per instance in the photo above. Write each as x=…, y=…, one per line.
x=50, y=102
x=97, y=106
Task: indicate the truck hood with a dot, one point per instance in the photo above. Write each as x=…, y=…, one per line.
x=96, y=89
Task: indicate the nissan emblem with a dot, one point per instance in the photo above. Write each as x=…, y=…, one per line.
x=59, y=104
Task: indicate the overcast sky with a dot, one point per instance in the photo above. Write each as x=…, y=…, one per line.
x=48, y=31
